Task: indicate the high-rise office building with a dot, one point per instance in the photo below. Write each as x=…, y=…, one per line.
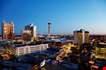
x=30, y=30
x=7, y=30
x=81, y=36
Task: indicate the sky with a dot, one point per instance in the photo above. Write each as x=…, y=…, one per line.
x=65, y=15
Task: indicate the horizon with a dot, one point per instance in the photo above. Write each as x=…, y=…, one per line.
x=65, y=16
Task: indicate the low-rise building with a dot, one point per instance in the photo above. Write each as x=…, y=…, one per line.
x=30, y=49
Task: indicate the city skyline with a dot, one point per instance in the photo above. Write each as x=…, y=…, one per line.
x=65, y=16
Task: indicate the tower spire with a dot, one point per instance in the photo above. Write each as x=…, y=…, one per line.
x=49, y=28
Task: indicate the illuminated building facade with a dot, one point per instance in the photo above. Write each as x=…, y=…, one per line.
x=81, y=36
x=7, y=30
x=30, y=49
x=29, y=32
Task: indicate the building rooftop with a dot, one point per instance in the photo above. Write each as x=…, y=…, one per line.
x=81, y=31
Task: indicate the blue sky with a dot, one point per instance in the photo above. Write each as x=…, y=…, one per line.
x=65, y=15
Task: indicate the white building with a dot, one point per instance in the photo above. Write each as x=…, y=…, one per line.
x=31, y=29
x=30, y=49
x=26, y=31
x=34, y=30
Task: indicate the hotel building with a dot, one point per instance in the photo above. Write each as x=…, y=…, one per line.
x=7, y=30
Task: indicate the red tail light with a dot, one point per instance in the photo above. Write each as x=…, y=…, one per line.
x=104, y=68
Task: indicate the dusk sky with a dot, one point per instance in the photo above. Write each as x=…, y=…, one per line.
x=65, y=15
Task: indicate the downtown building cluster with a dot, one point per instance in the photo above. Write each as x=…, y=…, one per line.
x=29, y=34
x=79, y=42
x=7, y=32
